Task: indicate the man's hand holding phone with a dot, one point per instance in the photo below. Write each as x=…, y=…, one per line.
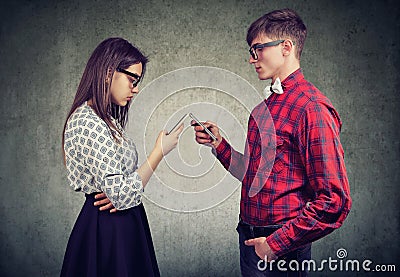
x=206, y=132
x=209, y=136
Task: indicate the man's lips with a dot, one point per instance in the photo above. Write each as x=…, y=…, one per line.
x=258, y=69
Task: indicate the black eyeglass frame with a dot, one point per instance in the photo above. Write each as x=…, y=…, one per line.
x=253, y=48
x=137, y=77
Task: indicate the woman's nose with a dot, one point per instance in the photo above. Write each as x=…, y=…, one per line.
x=135, y=89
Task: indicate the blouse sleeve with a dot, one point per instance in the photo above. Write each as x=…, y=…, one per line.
x=96, y=161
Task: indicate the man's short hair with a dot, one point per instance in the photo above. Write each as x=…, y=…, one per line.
x=280, y=24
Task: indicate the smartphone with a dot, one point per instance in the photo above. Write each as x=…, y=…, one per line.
x=178, y=124
x=202, y=125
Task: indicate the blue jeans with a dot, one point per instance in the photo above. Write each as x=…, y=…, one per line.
x=251, y=265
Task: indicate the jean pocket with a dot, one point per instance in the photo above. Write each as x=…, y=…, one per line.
x=304, y=252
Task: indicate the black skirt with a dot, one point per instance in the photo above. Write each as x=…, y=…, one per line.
x=110, y=244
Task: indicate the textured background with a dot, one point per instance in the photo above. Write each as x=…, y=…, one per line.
x=351, y=54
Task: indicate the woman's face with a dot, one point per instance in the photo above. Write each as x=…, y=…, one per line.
x=122, y=90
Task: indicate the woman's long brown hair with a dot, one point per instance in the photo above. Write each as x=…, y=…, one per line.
x=96, y=81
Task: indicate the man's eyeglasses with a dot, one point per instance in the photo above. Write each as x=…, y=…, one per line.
x=136, y=77
x=253, y=49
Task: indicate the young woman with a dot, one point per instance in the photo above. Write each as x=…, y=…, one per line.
x=102, y=163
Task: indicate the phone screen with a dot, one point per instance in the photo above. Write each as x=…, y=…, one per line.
x=202, y=125
x=178, y=124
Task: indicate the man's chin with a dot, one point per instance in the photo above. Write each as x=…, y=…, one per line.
x=263, y=76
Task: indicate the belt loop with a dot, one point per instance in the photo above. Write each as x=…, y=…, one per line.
x=252, y=231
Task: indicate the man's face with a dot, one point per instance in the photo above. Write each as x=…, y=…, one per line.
x=269, y=59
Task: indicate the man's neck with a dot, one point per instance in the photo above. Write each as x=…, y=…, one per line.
x=286, y=70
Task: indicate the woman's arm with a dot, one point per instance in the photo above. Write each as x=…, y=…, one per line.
x=164, y=144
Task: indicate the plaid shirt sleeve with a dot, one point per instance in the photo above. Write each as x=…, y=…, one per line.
x=323, y=159
x=232, y=160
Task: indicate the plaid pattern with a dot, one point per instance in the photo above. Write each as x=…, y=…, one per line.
x=307, y=190
x=96, y=162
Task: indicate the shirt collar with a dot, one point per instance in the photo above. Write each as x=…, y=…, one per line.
x=292, y=79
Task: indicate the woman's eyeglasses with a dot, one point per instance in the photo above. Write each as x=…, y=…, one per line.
x=136, y=77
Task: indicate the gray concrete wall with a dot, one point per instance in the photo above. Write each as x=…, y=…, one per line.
x=351, y=54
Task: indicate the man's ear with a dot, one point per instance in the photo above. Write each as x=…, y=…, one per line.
x=288, y=47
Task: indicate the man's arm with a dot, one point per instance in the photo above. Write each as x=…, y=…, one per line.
x=232, y=160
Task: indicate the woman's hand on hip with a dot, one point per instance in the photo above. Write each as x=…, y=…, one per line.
x=104, y=203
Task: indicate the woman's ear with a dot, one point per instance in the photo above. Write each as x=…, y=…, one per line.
x=109, y=76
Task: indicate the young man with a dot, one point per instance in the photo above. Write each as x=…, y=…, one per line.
x=306, y=196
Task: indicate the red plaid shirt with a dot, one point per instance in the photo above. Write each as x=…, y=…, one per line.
x=307, y=190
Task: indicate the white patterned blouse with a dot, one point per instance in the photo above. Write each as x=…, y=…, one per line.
x=97, y=163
